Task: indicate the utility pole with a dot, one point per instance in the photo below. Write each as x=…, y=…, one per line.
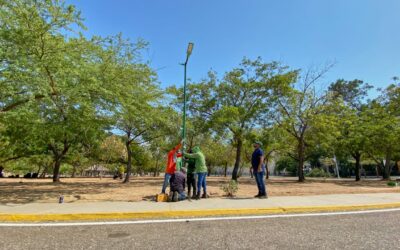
x=188, y=53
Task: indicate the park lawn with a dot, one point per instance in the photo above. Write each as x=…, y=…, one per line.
x=144, y=188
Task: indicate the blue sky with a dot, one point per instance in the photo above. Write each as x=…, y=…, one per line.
x=362, y=36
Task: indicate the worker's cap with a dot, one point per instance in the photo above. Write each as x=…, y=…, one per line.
x=258, y=143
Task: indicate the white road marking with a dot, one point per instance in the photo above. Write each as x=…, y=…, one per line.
x=97, y=223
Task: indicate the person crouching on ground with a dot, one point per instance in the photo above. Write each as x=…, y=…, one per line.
x=191, y=176
x=173, y=155
x=258, y=168
x=200, y=170
x=177, y=186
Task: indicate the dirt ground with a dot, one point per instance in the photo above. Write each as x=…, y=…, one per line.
x=145, y=188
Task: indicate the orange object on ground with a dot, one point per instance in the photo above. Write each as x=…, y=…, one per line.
x=162, y=198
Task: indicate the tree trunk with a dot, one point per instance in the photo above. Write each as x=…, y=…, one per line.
x=73, y=171
x=38, y=171
x=58, y=156
x=225, y=169
x=378, y=172
x=43, y=174
x=45, y=170
x=238, y=159
x=241, y=170
x=156, y=169
x=56, y=172
x=300, y=152
x=357, y=157
x=387, y=168
x=129, y=164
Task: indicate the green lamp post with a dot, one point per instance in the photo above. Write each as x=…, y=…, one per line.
x=188, y=53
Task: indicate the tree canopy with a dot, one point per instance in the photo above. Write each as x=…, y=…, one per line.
x=68, y=99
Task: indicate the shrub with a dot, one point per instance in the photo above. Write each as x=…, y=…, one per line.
x=391, y=183
x=288, y=164
x=230, y=188
x=318, y=172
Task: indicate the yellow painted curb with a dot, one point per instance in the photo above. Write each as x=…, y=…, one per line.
x=188, y=213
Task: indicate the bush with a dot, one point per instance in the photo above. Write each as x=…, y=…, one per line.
x=391, y=184
x=288, y=164
x=230, y=188
x=318, y=172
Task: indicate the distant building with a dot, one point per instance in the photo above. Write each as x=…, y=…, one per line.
x=97, y=171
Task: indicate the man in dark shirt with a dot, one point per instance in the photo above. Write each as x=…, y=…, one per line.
x=177, y=186
x=258, y=168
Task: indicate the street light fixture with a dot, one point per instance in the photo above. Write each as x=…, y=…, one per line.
x=189, y=50
x=188, y=53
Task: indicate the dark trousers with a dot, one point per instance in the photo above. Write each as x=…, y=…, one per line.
x=191, y=183
x=260, y=183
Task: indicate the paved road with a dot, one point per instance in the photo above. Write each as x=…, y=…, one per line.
x=356, y=231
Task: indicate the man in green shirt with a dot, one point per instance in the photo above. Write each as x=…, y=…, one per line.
x=200, y=170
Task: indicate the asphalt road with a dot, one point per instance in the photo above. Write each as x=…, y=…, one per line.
x=356, y=231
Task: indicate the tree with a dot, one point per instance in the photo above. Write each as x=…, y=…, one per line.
x=67, y=130
x=302, y=111
x=238, y=102
x=382, y=117
x=112, y=150
x=41, y=63
x=32, y=36
x=29, y=33
x=139, y=120
x=218, y=152
x=137, y=110
x=275, y=142
x=353, y=129
x=78, y=160
x=159, y=149
x=44, y=162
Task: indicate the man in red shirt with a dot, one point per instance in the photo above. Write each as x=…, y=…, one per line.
x=171, y=165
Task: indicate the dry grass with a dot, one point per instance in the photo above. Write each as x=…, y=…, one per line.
x=144, y=188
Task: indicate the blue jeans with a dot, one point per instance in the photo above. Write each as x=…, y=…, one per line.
x=259, y=176
x=166, y=182
x=181, y=196
x=201, y=182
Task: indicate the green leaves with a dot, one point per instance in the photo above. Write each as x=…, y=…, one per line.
x=63, y=89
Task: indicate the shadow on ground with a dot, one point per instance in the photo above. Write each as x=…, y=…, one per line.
x=20, y=191
x=44, y=190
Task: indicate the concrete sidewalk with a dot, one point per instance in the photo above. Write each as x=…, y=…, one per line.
x=205, y=207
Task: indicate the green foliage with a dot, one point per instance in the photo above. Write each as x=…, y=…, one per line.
x=303, y=113
x=286, y=164
x=64, y=95
x=241, y=100
x=121, y=170
x=217, y=151
x=230, y=189
x=20, y=167
x=66, y=169
x=351, y=92
x=63, y=89
x=112, y=150
x=382, y=117
x=318, y=172
x=391, y=183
